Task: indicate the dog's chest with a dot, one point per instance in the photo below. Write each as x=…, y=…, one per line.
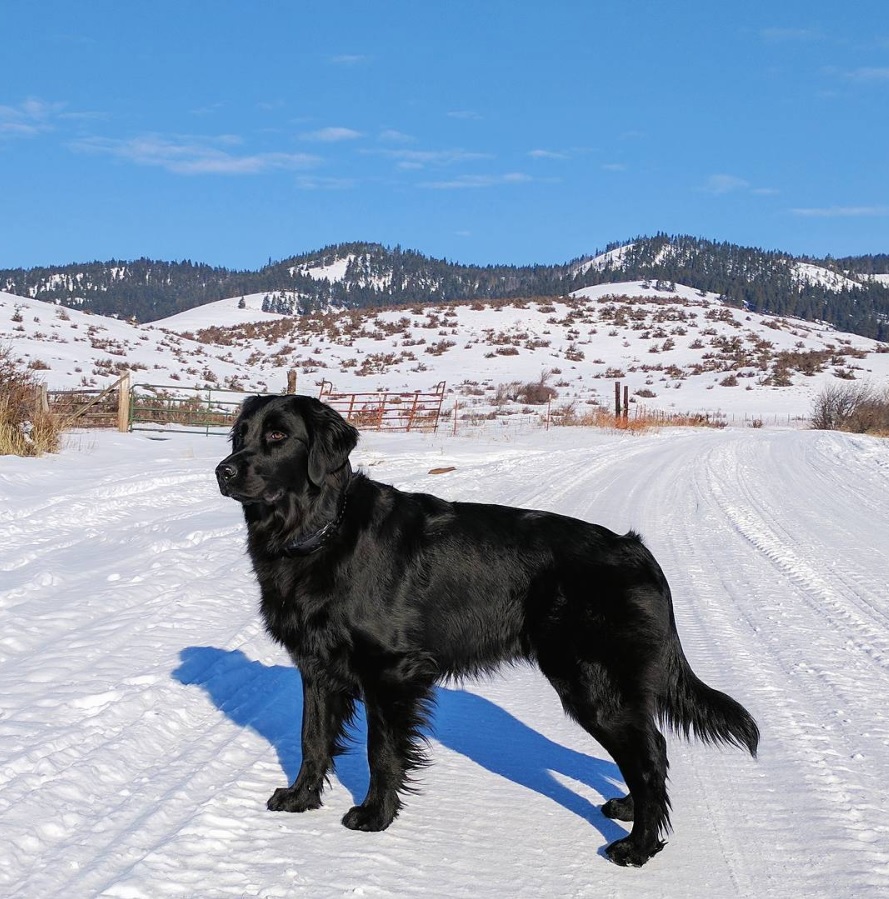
x=306, y=623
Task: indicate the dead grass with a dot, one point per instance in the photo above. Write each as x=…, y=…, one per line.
x=638, y=421
x=25, y=428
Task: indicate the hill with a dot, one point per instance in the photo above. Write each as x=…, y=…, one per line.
x=676, y=350
x=851, y=293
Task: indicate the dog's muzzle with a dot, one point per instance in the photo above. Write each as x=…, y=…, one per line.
x=226, y=472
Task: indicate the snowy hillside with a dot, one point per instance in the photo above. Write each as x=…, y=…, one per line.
x=223, y=313
x=802, y=273
x=145, y=716
x=369, y=276
x=677, y=350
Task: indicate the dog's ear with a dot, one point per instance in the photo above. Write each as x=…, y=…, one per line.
x=248, y=407
x=332, y=439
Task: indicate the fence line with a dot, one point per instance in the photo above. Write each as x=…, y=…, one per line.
x=96, y=408
x=389, y=410
x=213, y=410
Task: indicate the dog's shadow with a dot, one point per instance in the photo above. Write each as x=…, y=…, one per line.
x=268, y=699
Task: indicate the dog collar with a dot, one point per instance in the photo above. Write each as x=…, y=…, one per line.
x=309, y=543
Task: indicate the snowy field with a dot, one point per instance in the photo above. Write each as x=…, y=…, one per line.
x=675, y=351
x=145, y=717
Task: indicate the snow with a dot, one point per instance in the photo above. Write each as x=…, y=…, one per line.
x=676, y=351
x=806, y=273
x=333, y=272
x=610, y=259
x=648, y=290
x=802, y=272
x=222, y=313
x=146, y=717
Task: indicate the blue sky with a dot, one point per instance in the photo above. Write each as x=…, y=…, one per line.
x=482, y=132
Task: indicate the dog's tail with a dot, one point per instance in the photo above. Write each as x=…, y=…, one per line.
x=692, y=708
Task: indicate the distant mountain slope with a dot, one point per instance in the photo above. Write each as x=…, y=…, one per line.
x=676, y=350
x=850, y=293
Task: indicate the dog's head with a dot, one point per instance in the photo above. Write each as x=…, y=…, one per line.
x=284, y=446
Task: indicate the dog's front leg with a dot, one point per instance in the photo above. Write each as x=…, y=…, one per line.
x=396, y=713
x=325, y=714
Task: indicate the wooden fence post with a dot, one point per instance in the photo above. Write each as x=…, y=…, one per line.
x=291, y=381
x=123, y=404
x=626, y=402
x=41, y=400
x=617, y=399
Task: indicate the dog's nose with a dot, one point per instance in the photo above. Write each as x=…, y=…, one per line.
x=225, y=472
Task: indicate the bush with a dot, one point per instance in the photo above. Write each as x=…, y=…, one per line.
x=858, y=408
x=25, y=429
x=534, y=393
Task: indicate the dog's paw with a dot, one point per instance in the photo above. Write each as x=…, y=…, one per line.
x=287, y=799
x=368, y=817
x=619, y=809
x=628, y=855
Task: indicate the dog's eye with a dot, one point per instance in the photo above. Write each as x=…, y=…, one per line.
x=275, y=436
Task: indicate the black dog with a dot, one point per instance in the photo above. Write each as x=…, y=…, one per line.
x=377, y=594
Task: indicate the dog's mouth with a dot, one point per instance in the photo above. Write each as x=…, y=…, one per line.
x=269, y=496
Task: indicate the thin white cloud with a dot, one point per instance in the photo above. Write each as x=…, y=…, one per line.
x=310, y=182
x=547, y=154
x=193, y=156
x=721, y=184
x=791, y=34
x=421, y=159
x=29, y=118
x=349, y=59
x=841, y=211
x=473, y=182
x=467, y=114
x=393, y=136
x=209, y=109
x=614, y=167
x=332, y=135
x=869, y=74
x=724, y=184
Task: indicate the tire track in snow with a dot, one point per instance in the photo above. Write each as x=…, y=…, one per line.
x=726, y=614
x=193, y=811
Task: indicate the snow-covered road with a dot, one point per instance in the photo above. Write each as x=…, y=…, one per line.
x=145, y=717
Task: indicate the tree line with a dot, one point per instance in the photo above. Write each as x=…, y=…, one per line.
x=762, y=281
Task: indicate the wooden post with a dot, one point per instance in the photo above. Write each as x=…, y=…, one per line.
x=617, y=399
x=291, y=381
x=626, y=402
x=123, y=404
x=41, y=399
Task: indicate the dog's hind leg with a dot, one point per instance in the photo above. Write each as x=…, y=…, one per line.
x=639, y=749
x=625, y=728
x=396, y=714
x=325, y=716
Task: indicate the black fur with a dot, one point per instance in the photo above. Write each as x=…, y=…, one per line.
x=378, y=594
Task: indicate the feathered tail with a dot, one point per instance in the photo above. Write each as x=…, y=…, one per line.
x=690, y=707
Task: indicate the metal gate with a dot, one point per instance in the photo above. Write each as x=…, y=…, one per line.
x=199, y=410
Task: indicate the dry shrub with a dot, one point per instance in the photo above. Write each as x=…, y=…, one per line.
x=638, y=421
x=25, y=429
x=533, y=393
x=858, y=408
